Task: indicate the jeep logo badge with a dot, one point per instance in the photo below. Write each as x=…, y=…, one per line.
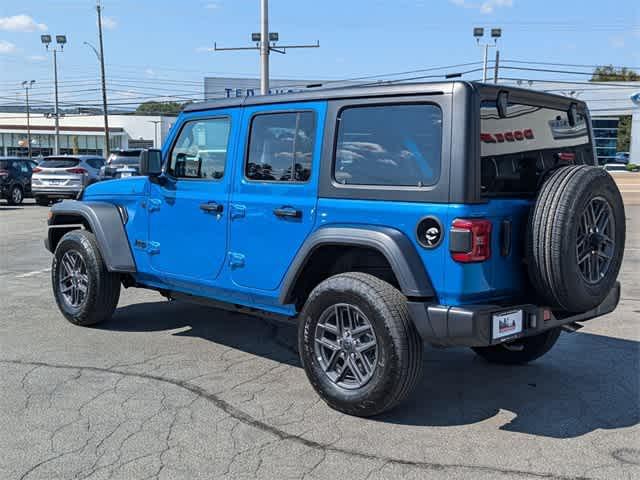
x=429, y=232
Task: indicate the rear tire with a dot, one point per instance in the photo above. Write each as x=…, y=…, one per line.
x=510, y=354
x=350, y=374
x=16, y=195
x=42, y=201
x=85, y=291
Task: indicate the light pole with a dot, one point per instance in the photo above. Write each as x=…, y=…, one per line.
x=155, y=140
x=496, y=33
x=61, y=40
x=27, y=85
x=265, y=43
x=104, y=99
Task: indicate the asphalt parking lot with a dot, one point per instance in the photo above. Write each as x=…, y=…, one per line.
x=170, y=390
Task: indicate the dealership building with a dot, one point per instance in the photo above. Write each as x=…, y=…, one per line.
x=609, y=102
x=80, y=134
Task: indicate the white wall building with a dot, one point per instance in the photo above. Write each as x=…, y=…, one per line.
x=80, y=134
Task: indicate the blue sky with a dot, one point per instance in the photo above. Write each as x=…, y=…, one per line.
x=149, y=41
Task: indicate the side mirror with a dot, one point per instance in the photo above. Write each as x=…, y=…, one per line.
x=150, y=162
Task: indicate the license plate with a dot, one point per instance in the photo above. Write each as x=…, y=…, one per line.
x=506, y=324
x=125, y=174
x=55, y=182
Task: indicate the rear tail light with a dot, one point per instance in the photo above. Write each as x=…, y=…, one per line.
x=566, y=156
x=37, y=170
x=470, y=240
x=79, y=171
x=4, y=173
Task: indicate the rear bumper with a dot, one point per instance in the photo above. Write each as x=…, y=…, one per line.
x=470, y=325
x=68, y=192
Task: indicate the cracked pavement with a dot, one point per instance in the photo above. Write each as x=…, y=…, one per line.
x=172, y=390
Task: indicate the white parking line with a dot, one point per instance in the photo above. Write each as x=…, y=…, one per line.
x=34, y=273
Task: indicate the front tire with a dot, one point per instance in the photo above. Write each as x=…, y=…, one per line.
x=521, y=351
x=358, y=345
x=16, y=195
x=85, y=291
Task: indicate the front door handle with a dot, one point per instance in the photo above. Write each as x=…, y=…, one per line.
x=287, y=212
x=211, y=207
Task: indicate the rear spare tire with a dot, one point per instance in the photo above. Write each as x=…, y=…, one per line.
x=575, y=238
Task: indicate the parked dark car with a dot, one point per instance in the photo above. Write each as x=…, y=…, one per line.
x=15, y=179
x=121, y=164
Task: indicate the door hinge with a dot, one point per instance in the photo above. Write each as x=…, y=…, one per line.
x=154, y=204
x=153, y=248
x=236, y=260
x=237, y=211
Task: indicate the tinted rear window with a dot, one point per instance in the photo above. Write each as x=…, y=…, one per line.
x=518, y=150
x=125, y=158
x=59, y=162
x=4, y=164
x=395, y=145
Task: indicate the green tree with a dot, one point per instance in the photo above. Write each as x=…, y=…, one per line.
x=609, y=73
x=160, y=108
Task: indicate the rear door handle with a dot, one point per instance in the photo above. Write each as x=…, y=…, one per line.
x=287, y=212
x=211, y=207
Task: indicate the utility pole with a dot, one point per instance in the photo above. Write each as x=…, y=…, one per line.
x=155, y=123
x=496, y=33
x=496, y=67
x=27, y=85
x=265, y=43
x=104, y=82
x=61, y=40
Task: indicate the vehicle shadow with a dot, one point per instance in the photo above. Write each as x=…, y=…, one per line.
x=586, y=382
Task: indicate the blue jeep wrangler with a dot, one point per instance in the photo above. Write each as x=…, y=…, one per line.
x=378, y=218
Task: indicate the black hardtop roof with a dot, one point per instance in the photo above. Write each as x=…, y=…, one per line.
x=377, y=90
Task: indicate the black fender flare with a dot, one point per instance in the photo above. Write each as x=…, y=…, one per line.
x=105, y=221
x=400, y=252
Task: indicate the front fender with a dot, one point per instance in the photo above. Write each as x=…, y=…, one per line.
x=104, y=220
x=393, y=244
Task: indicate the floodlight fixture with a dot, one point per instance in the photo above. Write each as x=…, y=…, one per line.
x=478, y=32
x=496, y=32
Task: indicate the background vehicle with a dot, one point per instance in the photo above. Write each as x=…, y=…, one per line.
x=15, y=179
x=379, y=218
x=622, y=157
x=616, y=167
x=121, y=164
x=64, y=176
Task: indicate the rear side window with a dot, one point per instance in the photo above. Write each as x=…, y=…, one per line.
x=281, y=147
x=394, y=145
x=59, y=162
x=95, y=162
x=518, y=150
x=201, y=149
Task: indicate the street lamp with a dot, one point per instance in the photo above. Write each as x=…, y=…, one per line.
x=155, y=141
x=496, y=33
x=61, y=41
x=27, y=85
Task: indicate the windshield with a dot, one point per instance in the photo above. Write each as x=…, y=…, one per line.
x=59, y=162
x=124, y=158
x=518, y=150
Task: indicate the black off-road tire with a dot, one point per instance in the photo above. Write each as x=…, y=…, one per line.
x=399, y=362
x=42, y=201
x=16, y=195
x=552, y=237
x=532, y=348
x=103, y=289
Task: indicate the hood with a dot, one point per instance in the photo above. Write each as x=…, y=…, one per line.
x=122, y=186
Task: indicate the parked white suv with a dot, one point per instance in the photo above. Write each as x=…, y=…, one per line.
x=64, y=176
